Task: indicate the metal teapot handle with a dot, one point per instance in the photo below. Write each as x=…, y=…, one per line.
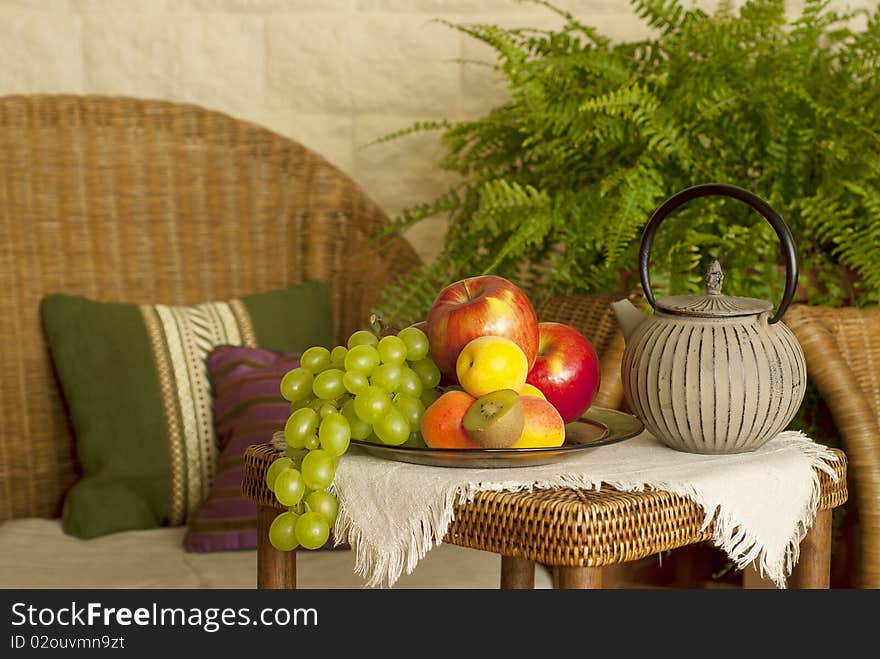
x=723, y=189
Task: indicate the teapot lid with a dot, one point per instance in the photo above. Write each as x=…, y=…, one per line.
x=714, y=304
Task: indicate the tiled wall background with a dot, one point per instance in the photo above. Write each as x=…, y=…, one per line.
x=333, y=74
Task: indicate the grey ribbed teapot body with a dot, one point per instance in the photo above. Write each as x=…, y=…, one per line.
x=713, y=385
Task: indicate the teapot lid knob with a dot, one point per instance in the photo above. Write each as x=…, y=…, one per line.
x=714, y=278
x=714, y=304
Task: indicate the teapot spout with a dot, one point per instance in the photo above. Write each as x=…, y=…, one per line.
x=628, y=317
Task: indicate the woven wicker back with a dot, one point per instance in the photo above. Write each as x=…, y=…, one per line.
x=842, y=347
x=146, y=201
x=856, y=332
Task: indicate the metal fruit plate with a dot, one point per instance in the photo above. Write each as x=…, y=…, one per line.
x=598, y=426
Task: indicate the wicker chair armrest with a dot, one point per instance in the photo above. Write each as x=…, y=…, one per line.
x=854, y=418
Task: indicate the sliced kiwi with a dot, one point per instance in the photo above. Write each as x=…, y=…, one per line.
x=495, y=420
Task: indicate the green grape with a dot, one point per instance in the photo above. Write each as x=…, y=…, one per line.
x=410, y=383
x=315, y=359
x=372, y=404
x=289, y=487
x=362, y=358
x=328, y=384
x=300, y=424
x=393, y=428
x=337, y=355
x=415, y=440
x=299, y=404
x=416, y=342
x=355, y=382
x=334, y=434
x=392, y=350
x=429, y=396
x=318, y=403
x=296, y=454
x=312, y=442
x=312, y=530
x=362, y=338
x=411, y=408
x=325, y=504
x=276, y=468
x=282, y=532
x=326, y=410
x=318, y=469
x=297, y=384
x=428, y=372
x=386, y=376
x=359, y=429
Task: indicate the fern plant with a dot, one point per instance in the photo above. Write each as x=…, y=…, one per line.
x=556, y=185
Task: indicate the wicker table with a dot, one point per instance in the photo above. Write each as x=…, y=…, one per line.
x=575, y=532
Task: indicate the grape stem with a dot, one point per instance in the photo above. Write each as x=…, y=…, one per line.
x=380, y=328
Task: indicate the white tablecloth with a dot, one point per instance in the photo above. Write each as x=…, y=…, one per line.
x=393, y=512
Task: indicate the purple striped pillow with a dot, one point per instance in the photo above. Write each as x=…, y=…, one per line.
x=248, y=409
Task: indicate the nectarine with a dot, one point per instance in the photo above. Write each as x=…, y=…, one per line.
x=543, y=428
x=442, y=422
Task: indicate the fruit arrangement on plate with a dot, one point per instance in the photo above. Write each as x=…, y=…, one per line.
x=480, y=372
x=515, y=382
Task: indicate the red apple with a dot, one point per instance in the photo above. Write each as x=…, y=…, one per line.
x=480, y=306
x=422, y=325
x=566, y=370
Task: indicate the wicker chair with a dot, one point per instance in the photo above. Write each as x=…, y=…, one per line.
x=147, y=201
x=136, y=200
x=843, y=360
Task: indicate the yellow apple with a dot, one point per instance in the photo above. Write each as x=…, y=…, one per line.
x=532, y=390
x=490, y=363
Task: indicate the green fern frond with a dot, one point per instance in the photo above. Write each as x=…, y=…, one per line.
x=594, y=36
x=665, y=15
x=557, y=183
x=445, y=203
x=615, y=102
x=407, y=300
x=415, y=127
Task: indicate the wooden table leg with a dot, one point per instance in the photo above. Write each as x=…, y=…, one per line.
x=813, y=569
x=517, y=573
x=276, y=570
x=752, y=579
x=577, y=577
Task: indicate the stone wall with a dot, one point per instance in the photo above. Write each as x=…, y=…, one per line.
x=333, y=74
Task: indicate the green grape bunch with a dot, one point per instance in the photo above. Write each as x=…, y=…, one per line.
x=372, y=390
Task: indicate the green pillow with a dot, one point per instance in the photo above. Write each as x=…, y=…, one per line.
x=137, y=391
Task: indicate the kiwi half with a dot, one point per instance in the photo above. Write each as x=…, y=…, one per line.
x=495, y=420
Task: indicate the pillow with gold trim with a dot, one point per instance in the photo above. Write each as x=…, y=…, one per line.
x=139, y=397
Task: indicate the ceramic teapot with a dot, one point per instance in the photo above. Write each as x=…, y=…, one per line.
x=712, y=373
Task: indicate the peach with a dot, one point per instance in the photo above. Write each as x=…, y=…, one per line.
x=441, y=423
x=544, y=427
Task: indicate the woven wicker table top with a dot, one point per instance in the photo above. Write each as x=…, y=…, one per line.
x=565, y=527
